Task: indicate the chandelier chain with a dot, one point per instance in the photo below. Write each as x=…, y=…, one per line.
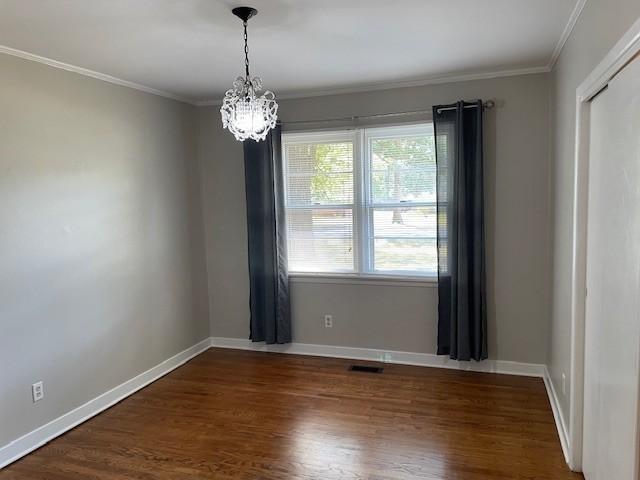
x=246, y=49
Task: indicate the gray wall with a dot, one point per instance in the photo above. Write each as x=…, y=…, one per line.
x=101, y=244
x=599, y=27
x=103, y=272
x=404, y=317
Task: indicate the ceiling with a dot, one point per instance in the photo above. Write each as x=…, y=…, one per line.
x=192, y=49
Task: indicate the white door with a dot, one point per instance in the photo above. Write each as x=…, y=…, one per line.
x=612, y=342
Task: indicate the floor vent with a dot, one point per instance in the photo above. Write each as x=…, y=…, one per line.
x=365, y=368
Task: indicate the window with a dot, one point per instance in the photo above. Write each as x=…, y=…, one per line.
x=362, y=201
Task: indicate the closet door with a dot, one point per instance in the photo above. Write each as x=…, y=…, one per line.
x=612, y=342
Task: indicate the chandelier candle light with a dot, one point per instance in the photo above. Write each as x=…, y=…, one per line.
x=245, y=112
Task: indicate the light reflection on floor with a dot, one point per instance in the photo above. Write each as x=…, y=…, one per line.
x=334, y=449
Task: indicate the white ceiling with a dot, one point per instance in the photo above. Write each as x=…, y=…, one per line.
x=193, y=48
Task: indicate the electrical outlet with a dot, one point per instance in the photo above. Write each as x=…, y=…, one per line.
x=37, y=391
x=564, y=384
x=328, y=321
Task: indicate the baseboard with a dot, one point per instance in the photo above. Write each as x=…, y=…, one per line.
x=419, y=359
x=561, y=425
x=38, y=437
x=387, y=356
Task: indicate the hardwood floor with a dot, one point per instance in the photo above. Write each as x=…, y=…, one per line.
x=244, y=415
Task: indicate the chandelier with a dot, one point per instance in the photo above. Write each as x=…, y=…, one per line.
x=245, y=111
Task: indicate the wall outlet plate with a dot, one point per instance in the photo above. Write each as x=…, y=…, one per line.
x=328, y=321
x=37, y=391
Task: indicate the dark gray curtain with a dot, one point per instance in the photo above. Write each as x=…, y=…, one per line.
x=462, y=312
x=269, y=283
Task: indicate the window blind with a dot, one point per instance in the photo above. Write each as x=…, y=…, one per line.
x=362, y=201
x=319, y=179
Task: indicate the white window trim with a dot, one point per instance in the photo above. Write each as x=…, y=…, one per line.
x=363, y=260
x=364, y=279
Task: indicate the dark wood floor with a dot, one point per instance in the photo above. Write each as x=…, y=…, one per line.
x=244, y=415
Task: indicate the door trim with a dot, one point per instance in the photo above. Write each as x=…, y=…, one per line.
x=622, y=53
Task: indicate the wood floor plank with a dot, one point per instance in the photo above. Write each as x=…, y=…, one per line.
x=231, y=414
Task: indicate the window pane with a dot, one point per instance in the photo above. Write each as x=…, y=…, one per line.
x=417, y=255
x=405, y=239
x=403, y=168
x=320, y=240
x=404, y=222
x=319, y=173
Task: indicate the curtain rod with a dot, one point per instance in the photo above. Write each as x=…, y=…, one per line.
x=487, y=104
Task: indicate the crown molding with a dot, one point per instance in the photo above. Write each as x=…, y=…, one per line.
x=90, y=73
x=566, y=33
x=405, y=84
x=314, y=93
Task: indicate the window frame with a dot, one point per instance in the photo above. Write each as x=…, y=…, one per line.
x=363, y=206
x=323, y=137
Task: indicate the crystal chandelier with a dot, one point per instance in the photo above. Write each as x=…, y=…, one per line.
x=245, y=112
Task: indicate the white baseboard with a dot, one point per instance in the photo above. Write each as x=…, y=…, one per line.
x=419, y=359
x=38, y=437
x=561, y=425
x=387, y=356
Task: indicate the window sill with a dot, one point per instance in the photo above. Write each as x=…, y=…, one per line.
x=352, y=279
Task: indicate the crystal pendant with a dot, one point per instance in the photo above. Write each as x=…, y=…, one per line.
x=247, y=114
